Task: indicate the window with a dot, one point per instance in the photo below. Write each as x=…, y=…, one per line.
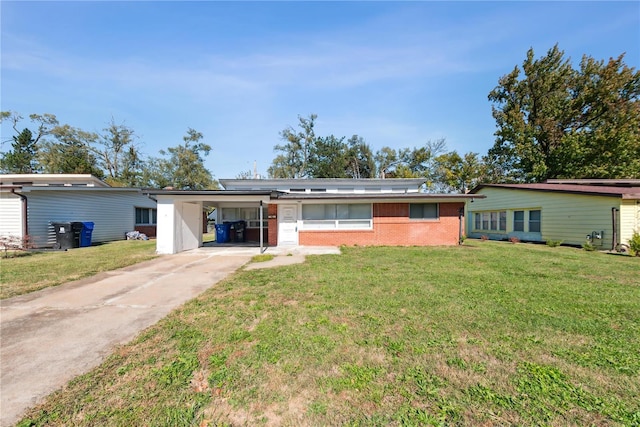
x=494, y=221
x=336, y=216
x=146, y=216
x=250, y=215
x=518, y=221
x=423, y=210
x=502, y=224
x=534, y=221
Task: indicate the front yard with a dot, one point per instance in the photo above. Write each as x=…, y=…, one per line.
x=26, y=272
x=487, y=333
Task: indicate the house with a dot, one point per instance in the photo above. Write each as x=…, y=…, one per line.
x=315, y=212
x=29, y=203
x=602, y=212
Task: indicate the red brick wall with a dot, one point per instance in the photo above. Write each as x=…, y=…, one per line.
x=392, y=227
x=272, y=215
x=253, y=234
x=149, y=230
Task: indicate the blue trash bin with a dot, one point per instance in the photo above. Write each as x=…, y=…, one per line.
x=85, y=234
x=223, y=232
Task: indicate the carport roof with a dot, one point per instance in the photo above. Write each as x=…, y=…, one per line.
x=208, y=192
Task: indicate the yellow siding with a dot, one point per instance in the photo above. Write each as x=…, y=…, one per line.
x=564, y=216
x=629, y=219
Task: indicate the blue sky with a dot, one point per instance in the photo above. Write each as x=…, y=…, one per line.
x=396, y=73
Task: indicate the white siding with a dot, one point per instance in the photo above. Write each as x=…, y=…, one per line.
x=566, y=217
x=629, y=219
x=113, y=212
x=10, y=215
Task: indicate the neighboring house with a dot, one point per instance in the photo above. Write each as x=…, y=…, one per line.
x=603, y=212
x=29, y=203
x=315, y=212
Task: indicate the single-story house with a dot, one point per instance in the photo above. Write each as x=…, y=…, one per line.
x=30, y=203
x=602, y=212
x=314, y=212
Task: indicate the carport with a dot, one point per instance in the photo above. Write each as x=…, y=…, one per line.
x=180, y=214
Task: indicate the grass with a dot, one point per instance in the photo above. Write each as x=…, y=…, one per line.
x=262, y=258
x=32, y=271
x=483, y=334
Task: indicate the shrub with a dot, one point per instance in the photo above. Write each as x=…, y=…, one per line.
x=588, y=246
x=554, y=243
x=514, y=240
x=484, y=237
x=634, y=243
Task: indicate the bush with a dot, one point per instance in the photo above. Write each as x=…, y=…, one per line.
x=634, y=244
x=484, y=237
x=588, y=246
x=514, y=239
x=554, y=243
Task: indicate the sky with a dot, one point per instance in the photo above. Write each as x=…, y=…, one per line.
x=398, y=74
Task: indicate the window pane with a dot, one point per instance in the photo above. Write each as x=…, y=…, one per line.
x=312, y=212
x=485, y=221
x=423, y=210
x=154, y=216
x=361, y=211
x=534, y=221
x=494, y=220
x=342, y=211
x=229, y=214
x=518, y=221
x=138, y=216
x=503, y=221
x=329, y=212
x=478, y=222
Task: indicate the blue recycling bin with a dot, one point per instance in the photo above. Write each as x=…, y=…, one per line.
x=223, y=232
x=85, y=234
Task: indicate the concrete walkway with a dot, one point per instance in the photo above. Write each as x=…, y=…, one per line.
x=49, y=337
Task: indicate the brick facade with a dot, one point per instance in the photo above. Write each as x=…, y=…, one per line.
x=391, y=227
x=272, y=215
x=149, y=230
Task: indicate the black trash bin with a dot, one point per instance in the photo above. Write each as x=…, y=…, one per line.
x=240, y=227
x=67, y=234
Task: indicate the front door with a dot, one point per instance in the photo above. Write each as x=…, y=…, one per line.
x=288, y=225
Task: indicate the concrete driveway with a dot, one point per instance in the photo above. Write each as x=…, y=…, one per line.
x=51, y=336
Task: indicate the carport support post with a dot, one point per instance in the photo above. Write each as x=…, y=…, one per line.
x=261, y=228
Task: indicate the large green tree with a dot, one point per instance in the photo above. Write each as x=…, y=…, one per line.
x=554, y=121
x=118, y=155
x=182, y=167
x=360, y=160
x=69, y=152
x=456, y=173
x=293, y=160
x=23, y=156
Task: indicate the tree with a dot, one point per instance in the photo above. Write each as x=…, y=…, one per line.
x=459, y=174
x=23, y=158
x=70, y=152
x=184, y=168
x=118, y=155
x=558, y=122
x=293, y=162
x=328, y=158
x=360, y=161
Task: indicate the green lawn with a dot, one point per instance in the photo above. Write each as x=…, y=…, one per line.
x=29, y=271
x=488, y=333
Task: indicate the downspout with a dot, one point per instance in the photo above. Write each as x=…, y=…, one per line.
x=614, y=223
x=25, y=222
x=460, y=220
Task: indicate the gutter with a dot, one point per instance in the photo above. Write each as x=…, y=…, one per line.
x=25, y=221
